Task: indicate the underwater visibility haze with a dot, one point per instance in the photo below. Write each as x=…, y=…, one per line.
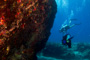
x=25, y=27
x=79, y=10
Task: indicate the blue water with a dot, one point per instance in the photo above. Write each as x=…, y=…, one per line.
x=72, y=9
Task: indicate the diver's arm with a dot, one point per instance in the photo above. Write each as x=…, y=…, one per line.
x=70, y=38
x=72, y=25
x=75, y=24
x=78, y=23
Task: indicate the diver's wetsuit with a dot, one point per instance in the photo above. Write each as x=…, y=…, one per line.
x=65, y=41
x=64, y=29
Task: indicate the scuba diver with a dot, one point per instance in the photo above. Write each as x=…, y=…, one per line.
x=67, y=26
x=67, y=40
x=67, y=37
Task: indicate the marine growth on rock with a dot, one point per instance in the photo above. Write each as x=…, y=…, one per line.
x=24, y=27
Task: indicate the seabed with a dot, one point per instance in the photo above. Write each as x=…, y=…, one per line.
x=57, y=51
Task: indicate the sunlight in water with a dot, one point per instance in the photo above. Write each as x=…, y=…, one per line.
x=62, y=3
x=58, y=3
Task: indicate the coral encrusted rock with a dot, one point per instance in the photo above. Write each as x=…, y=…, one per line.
x=25, y=27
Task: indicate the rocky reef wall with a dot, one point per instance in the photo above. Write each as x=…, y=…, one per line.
x=25, y=27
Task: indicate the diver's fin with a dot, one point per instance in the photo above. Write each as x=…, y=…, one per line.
x=73, y=19
x=78, y=23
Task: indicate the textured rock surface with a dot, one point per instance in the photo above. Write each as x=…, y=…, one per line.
x=24, y=27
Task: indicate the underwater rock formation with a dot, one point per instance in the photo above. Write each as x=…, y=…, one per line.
x=25, y=27
x=57, y=51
